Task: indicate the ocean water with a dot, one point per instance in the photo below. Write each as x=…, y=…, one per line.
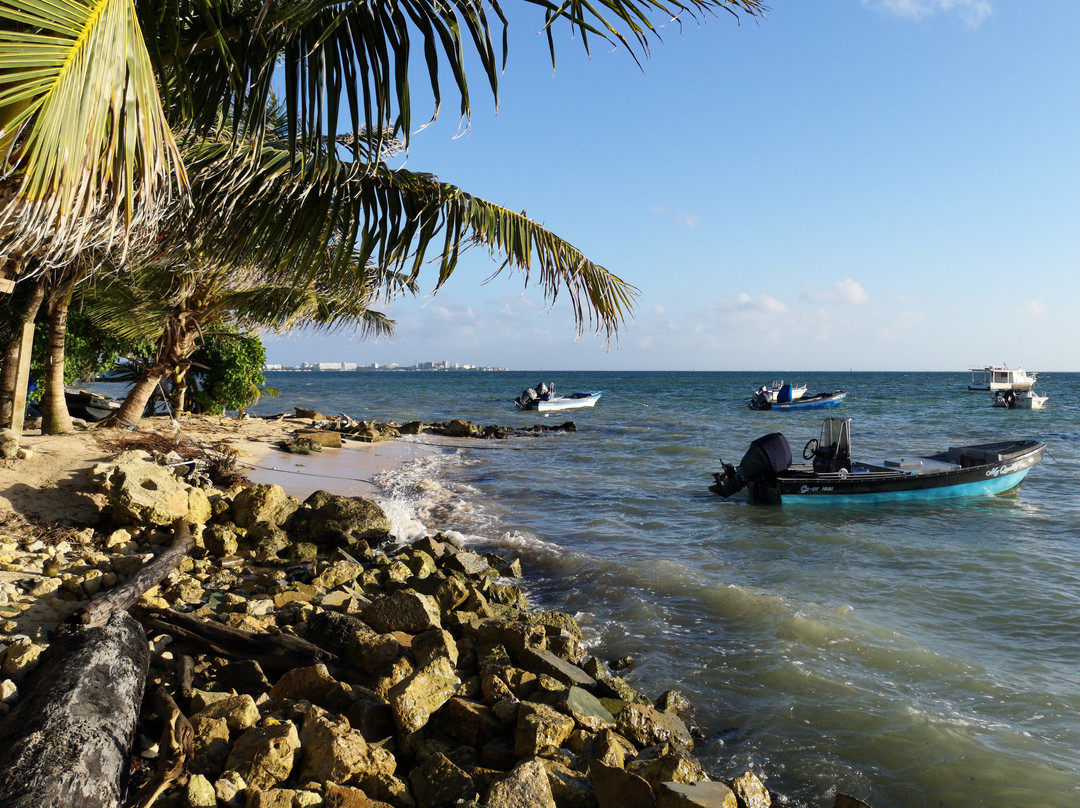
x=910, y=655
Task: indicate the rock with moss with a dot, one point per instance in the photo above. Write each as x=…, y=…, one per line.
x=339, y=521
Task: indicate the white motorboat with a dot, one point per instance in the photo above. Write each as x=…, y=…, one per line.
x=1000, y=377
x=1020, y=400
x=544, y=399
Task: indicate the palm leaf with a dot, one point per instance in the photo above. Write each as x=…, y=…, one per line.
x=79, y=111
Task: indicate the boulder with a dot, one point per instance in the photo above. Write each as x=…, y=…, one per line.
x=751, y=792
x=419, y=695
x=526, y=787
x=470, y=722
x=435, y=642
x=460, y=429
x=144, y=493
x=340, y=521
x=615, y=788
x=324, y=437
x=698, y=795
x=335, y=796
x=587, y=710
x=370, y=652
x=539, y=727
x=210, y=746
x=239, y=712
x=438, y=781
x=314, y=684
x=333, y=751
x=542, y=661
x=264, y=756
x=404, y=610
x=570, y=788
x=647, y=726
x=264, y=502
x=665, y=763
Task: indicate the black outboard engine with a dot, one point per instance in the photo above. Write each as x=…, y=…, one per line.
x=528, y=395
x=767, y=456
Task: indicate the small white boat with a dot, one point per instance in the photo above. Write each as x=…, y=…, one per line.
x=775, y=392
x=1020, y=400
x=544, y=399
x=1000, y=377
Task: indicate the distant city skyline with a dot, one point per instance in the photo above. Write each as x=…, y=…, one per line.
x=871, y=185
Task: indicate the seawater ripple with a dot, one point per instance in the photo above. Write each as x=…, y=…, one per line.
x=909, y=655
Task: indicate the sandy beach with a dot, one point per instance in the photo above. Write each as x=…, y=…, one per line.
x=54, y=483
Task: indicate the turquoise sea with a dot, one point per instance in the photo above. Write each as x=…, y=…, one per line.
x=910, y=655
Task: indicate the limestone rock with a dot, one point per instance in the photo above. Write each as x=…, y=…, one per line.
x=264, y=502
x=547, y=663
x=438, y=781
x=239, y=712
x=370, y=652
x=587, y=710
x=526, y=787
x=200, y=793
x=538, y=727
x=569, y=788
x=647, y=726
x=272, y=798
x=665, y=763
x=314, y=684
x=328, y=438
x=333, y=751
x=615, y=788
x=470, y=722
x=144, y=493
x=751, y=792
x=335, y=796
x=698, y=795
x=404, y=610
x=419, y=695
x=210, y=746
x=340, y=521
x=433, y=643
x=264, y=756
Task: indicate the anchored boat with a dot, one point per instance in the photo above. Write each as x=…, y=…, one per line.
x=544, y=399
x=818, y=401
x=831, y=476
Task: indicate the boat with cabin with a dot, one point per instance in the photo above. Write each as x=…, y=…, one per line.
x=1000, y=377
x=831, y=476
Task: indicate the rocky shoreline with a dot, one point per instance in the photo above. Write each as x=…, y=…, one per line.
x=316, y=662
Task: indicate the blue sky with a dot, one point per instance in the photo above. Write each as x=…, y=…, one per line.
x=863, y=184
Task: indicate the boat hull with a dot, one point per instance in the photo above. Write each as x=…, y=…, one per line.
x=819, y=401
x=980, y=470
x=565, y=403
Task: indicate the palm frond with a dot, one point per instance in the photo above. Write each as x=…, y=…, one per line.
x=376, y=228
x=81, y=118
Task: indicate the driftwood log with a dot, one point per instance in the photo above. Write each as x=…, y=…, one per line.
x=66, y=742
x=271, y=651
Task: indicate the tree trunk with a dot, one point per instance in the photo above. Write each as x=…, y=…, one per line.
x=131, y=411
x=55, y=419
x=13, y=387
x=67, y=740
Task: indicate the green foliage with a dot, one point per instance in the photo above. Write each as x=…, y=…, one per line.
x=89, y=350
x=233, y=375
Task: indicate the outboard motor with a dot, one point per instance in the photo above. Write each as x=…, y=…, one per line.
x=527, y=396
x=767, y=456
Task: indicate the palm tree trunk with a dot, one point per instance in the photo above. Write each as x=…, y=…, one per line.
x=12, y=388
x=55, y=419
x=131, y=411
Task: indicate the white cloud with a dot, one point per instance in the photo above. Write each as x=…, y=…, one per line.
x=972, y=12
x=745, y=303
x=1033, y=308
x=680, y=217
x=845, y=291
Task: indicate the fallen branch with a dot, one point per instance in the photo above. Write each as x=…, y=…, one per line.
x=97, y=612
x=273, y=651
x=174, y=751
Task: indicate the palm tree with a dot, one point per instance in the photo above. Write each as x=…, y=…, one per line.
x=111, y=110
x=174, y=306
